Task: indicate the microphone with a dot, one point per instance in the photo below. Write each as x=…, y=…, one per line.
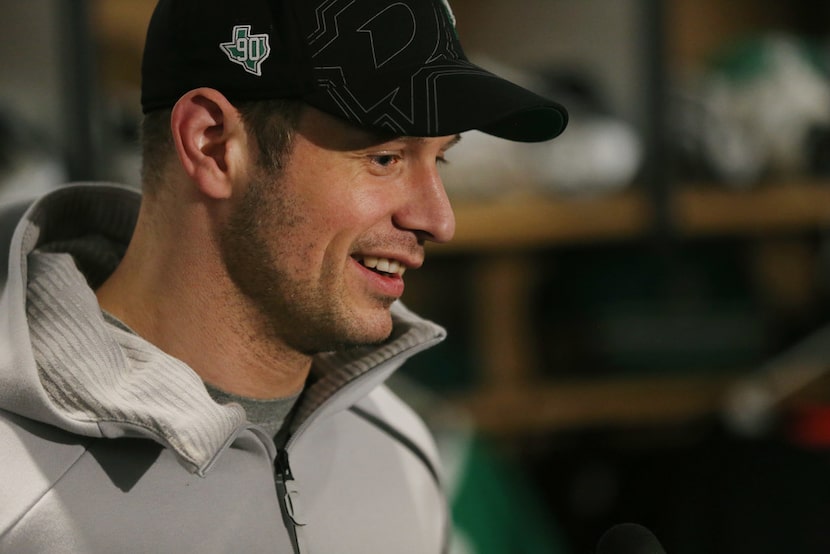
x=629, y=538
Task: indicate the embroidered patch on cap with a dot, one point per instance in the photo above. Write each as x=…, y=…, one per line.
x=247, y=50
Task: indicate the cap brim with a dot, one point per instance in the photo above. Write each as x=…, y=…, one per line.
x=445, y=98
x=486, y=102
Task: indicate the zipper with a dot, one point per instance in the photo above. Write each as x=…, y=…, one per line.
x=287, y=492
x=284, y=480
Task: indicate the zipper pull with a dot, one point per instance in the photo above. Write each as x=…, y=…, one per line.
x=287, y=495
x=283, y=467
x=287, y=488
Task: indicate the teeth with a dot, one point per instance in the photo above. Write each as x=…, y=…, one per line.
x=384, y=264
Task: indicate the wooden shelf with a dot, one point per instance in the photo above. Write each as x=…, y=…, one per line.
x=526, y=222
x=641, y=400
x=774, y=207
x=502, y=236
x=530, y=221
x=553, y=406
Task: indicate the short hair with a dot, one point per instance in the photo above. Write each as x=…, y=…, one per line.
x=270, y=123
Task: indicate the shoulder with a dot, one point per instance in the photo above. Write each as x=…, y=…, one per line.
x=386, y=411
x=33, y=457
x=367, y=479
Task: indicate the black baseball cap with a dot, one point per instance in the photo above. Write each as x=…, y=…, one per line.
x=390, y=65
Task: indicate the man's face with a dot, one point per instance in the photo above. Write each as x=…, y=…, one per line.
x=319, y=250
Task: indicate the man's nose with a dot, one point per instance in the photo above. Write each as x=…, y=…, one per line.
x=427, y=210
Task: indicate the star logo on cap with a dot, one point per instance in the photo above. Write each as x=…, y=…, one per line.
x=247, y=50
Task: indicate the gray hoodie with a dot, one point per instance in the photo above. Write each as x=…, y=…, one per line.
x=109, y=445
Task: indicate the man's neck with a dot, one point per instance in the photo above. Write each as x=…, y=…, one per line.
x=181, y=301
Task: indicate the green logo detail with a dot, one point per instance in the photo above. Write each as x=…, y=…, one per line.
x=246, y=49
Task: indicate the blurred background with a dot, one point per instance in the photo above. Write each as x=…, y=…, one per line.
x=639, y=311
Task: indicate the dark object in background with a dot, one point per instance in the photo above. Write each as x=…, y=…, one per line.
x=699, y=488
x=629, y=538
x=818, y=150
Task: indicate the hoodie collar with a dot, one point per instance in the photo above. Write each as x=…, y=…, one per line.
x=66, y=214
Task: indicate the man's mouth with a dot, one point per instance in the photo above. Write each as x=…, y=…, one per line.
x=384, y=266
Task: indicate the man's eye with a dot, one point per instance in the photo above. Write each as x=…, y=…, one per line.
x=384, y=160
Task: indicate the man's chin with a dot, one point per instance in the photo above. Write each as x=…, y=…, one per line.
x=377, y=331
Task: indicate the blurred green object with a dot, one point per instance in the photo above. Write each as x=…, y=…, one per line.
x=495, y=508
x=496, y=511
x=754, y=57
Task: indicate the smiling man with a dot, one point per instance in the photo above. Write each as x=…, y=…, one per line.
x=200, y=368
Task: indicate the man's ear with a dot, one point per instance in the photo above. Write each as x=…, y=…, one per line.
x=209, y=140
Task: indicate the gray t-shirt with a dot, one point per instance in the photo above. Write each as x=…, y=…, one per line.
x=268, y=413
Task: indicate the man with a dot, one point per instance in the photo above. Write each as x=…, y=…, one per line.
x=201, y=369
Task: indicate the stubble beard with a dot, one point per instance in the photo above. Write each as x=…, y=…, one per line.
x=281, y=306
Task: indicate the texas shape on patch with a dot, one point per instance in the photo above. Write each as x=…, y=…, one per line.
x=247, y=50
